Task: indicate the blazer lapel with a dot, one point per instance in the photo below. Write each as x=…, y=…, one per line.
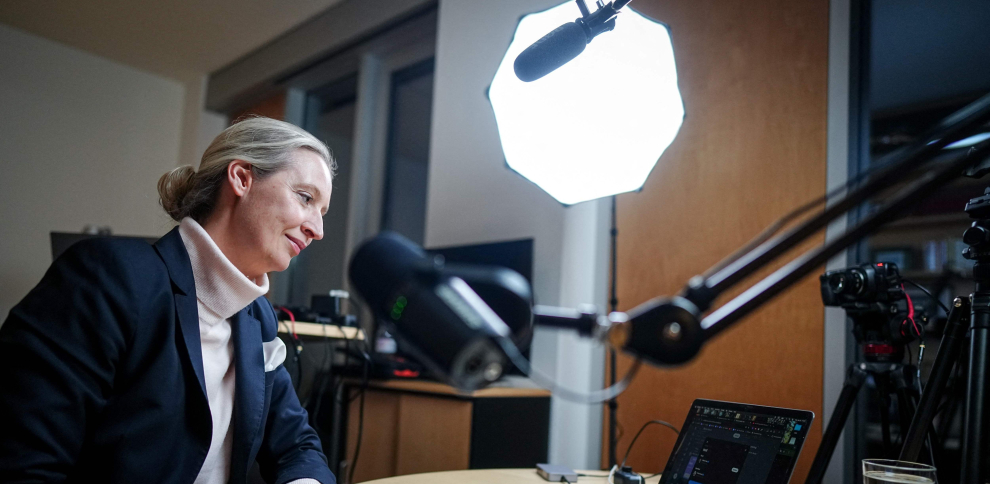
x=173, y=253
x=249, y=393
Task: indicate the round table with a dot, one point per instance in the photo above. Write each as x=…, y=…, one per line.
x=489, y=476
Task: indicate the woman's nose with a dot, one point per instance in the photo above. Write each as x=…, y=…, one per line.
x=313, y=228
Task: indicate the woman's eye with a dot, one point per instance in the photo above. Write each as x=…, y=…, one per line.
x=306, y=198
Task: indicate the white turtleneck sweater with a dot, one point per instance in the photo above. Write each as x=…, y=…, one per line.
x=221, y=292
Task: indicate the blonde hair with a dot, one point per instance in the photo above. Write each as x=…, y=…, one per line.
x=265, y=143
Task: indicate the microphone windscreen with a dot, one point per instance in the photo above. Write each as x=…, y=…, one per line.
x=550, y=52
x=382, y=265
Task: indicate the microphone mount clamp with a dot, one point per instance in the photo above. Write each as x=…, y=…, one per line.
x=602, y=20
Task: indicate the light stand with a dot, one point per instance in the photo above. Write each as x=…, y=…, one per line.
x=613, y=404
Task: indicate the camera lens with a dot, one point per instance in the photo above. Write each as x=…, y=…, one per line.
x=837, y=283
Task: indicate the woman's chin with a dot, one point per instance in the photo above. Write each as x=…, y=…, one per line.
x=281, y=265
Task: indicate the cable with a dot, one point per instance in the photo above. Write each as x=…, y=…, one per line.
x=297, y=347
x=597, y=396
x=919, y=332
x=365, y=356
x=340, y=381
x=641, y=429
x=910, y=316
x=292, y=319
x=360, y=432
x=327, y=376
x=933, y=298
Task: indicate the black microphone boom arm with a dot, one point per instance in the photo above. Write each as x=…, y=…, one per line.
x=671, y=330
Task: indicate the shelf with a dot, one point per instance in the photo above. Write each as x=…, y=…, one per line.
x=321, y=330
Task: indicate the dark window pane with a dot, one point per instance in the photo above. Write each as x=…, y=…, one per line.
x=407, y=161
x=329, y=115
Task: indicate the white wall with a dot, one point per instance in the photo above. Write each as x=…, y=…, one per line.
x=473, y=197
x=83, y=140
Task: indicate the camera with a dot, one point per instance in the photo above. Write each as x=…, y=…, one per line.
x=873, y=297
x=861, y=286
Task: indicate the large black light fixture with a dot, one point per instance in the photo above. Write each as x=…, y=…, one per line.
x=597, y=125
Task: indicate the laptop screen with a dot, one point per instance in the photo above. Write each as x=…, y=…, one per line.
x=733, y=443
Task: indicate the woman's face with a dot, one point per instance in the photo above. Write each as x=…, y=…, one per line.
x=278, y=216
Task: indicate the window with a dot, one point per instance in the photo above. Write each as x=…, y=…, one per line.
x=372, y=106
x=407, y=161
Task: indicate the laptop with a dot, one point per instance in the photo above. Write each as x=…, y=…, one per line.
x=736, y=443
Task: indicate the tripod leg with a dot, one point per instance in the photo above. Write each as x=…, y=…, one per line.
x=855, y=377
x=948, y=354
x=883, y=390
x=905, y=406
x=976, y=427
x=956, y=393
x=905, y=383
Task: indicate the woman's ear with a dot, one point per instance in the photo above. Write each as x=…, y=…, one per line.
x=239, y=176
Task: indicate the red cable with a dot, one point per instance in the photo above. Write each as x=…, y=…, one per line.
x=911, y=311
x=292, y=319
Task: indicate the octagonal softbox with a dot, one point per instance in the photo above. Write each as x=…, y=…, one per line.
x=597, y=125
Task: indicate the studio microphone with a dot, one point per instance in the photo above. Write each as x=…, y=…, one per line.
x=433, y=313
x=565, y=42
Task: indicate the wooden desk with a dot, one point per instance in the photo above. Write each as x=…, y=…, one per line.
x=436, y=388
x=489, y=476
x=412, y=427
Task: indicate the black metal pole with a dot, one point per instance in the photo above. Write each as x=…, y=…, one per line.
x=613, y=404
x=948, y=354
x=855, y=377
x=775, y=283
x=976, y=440
x=952, y=128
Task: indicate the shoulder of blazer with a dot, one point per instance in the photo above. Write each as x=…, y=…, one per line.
x=123, y=274
x=262, y=310
x=133, y=262
x=172, y=253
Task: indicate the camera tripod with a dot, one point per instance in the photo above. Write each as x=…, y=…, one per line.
x=882, y=357
x=972, y=316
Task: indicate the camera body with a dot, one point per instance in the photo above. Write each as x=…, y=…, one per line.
x=860, y=287
x=872, y=296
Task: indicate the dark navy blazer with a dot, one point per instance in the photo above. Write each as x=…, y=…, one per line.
x=101, y=377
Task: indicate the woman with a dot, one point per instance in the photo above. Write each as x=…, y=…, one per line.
x=138, y=363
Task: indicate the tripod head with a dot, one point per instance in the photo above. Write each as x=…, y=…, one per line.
x=977, y=238
x=884, y=319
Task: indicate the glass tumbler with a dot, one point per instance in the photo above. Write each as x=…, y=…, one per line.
x=883, y=471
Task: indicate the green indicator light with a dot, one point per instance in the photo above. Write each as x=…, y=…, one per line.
x=401, y=302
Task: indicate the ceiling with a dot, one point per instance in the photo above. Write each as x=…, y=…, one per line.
x=173, y=38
